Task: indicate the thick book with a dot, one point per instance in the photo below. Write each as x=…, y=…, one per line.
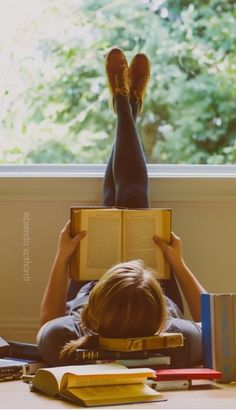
x=152, y=363
x=161, y=341
x=156, y=360
x=167, y=385
x=96, y=385
x=30, y=365
x=23, y=350
x=87, y=354
x=195, y=373
x=12, y=370
x=115, y=235
x=234, y=323
x=218, y=334
x=4, y=347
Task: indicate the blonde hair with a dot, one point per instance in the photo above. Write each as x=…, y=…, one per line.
x=126, y=302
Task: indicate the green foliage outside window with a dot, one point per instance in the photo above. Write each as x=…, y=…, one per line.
x=54, y=93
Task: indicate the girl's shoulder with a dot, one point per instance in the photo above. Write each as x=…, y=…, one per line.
x=81, y=298
x=172, y=309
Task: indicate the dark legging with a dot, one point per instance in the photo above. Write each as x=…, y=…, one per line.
x=126, y=178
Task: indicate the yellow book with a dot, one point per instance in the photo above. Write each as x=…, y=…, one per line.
x=95, y=385
x=163, y=340
x=115, y=235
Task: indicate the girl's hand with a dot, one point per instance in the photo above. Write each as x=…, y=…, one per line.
x=67, y=245
x=172, y=252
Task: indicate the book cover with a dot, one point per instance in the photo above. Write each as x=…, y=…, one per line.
x=163, y=340
x=94, y=385
x=23, y=350
x=223, y=337
x=4, y=348
x=207, y=327
x=218, y=334
x=195, y=373
x=234, y=325
x=115, y=235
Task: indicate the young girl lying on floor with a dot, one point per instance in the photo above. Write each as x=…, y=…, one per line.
x=127, y=301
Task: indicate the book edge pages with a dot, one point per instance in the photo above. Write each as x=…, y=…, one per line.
x=132, y=344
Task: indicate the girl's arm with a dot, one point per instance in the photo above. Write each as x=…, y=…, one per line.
x=189, y=285
x=54, y=300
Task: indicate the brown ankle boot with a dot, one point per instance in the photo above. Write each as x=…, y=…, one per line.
x=139, y=75
x=117, y=72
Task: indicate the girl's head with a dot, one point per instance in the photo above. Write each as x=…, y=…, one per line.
x=126, y=302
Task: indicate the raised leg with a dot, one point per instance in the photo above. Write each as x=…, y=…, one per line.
x=129, y=166
x=109, y=189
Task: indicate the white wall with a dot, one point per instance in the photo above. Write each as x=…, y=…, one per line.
x=204, y=215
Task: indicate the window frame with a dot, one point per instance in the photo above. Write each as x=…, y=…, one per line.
x=97, y=170
x=169, y=185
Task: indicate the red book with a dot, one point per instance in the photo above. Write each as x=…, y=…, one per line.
x=187, y=374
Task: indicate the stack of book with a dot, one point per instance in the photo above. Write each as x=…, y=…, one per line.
x=143, y=358
x=173, y=379
x=132, y=352
x=18, y=359
x=14, y=369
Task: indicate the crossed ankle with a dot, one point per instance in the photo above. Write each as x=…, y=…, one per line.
x=121, y=103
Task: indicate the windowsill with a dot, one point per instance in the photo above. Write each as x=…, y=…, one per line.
x=83, y=183
x=97, y=171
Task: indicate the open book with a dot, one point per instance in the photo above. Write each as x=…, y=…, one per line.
x=116, y=235
x=95, y=385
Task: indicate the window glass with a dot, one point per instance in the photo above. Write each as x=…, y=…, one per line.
x=54, y=97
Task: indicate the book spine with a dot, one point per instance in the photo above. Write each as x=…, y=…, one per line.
x=129, y=365
x=142, y=344
x=167, y=222
x=75, y=217
x=83, y=354
x=161, y=343
x=223, y=337
x=145, y=362
x=11, y=373
x=24, y=350
x=234, y=325
x=169, y=385
x=206, y=329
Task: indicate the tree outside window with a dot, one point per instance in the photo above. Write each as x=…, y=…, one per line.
x=54, y=98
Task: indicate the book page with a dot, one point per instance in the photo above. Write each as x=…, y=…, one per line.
x=101, y=247
x=139, y=227
x=48, y=380
x=51, y=380
x=103, y=374
x=116, y=394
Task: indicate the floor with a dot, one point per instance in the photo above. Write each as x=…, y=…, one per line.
x=16, y=395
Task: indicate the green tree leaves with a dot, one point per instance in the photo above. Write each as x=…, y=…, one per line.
x=55, y=98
